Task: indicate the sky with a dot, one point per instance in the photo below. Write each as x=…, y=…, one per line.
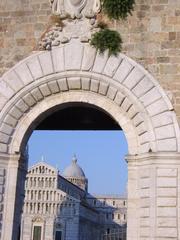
x=99, y=153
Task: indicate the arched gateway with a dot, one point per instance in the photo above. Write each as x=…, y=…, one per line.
x=75, y=72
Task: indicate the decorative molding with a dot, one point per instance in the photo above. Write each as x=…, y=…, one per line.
x=37, y=219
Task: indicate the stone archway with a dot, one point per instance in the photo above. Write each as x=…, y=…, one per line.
x=75, y=72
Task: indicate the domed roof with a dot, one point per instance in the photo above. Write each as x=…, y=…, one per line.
x=74, y=170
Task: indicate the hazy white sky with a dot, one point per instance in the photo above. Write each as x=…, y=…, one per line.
x=100, y=154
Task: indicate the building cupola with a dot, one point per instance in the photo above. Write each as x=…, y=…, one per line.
x=76, y=175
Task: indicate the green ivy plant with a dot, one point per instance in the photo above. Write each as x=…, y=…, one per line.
x=118, y=9
x=107, y=39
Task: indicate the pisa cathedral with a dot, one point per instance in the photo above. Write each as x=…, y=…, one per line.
x=59, y=207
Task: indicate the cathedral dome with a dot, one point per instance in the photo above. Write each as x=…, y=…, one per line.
x=74, y=170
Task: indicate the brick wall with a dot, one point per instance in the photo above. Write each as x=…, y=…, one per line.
x=151, y=36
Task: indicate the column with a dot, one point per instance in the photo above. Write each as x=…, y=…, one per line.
x=14, y=196
x=154, y=196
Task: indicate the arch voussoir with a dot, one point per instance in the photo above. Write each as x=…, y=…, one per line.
x=78, y=67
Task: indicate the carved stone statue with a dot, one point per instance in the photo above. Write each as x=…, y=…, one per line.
x=75, y=8
x=78, y=19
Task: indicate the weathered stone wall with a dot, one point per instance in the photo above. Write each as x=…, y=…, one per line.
x=22, y=22
x=151, y=36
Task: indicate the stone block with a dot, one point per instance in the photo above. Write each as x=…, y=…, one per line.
x=3, y=101
x=141, y=128
x=119, y=98
x=144, y=212
x=53, y=86
x=144, y=183
x=166, y=202
x=165, y=132
x=10, y=120
x=28, y=98
x=150, y=97
x=24, y=73
x=167, y=172
x=167, y=232
x=145, y=202
x=35, y=67
x=22, y=105
x=144, y=193
x=144, y=148
x=37, y=95
x=103, y=88
x=138, y=119
x=16, y=113
x=3, y=148
x=46, y=63
x=63, y=84
x=94, y=87
x=132, y=112
x=144, y=222
x=73, y=56
x=166, y=192
x=166, y=211
x=167, y=145
x=74, y=83
x=144, y=173
x=85, y=82
x=144, y=232
x=126, y=104
x=155, y=24
x=166, y=222
x=12, y=79
x=123, y=70
x=157, y=107
x=45, y=90
x=100, y=62
x=88, y=58
x=112, y=65
x=5, y=128
x=143, y=87
x=134, y=77
x=166, y=182
x=5, y=90
x=162, y=119
x=144, y=138
x=4, y=138
x=58, y=59
x=111, y=92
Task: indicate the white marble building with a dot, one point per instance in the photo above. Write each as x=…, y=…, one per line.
x=60, y=208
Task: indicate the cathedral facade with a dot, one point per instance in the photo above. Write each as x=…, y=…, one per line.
x=59, y=207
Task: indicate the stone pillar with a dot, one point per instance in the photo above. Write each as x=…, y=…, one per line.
x=133, y=200
x=14, y=195
x=154, y=196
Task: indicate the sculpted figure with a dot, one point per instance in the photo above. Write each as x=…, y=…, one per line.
x=75, y=8
x=78, y=18
x=57, y=7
